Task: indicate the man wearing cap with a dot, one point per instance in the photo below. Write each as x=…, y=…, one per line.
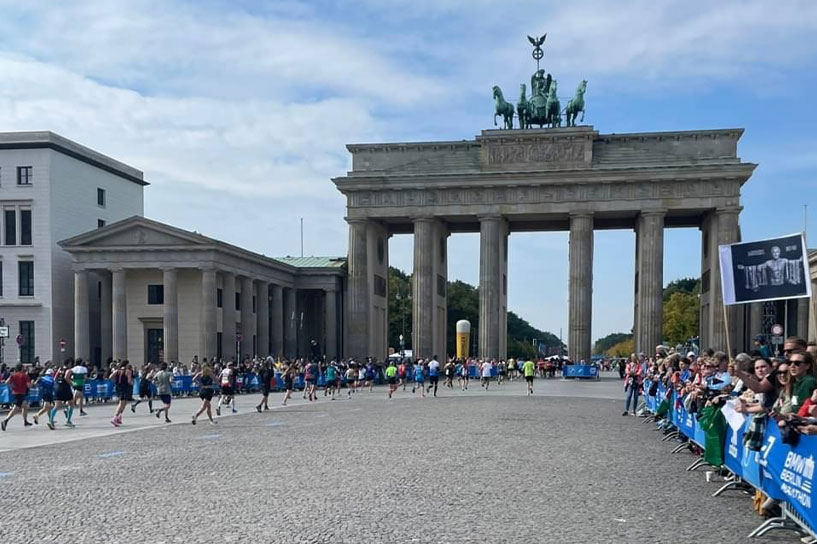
x=763, y=346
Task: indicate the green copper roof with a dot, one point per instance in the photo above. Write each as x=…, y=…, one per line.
x=313, y=262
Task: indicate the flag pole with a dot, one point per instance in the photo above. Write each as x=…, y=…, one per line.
x=726, y=326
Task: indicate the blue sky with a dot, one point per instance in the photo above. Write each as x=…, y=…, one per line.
x=239, y=111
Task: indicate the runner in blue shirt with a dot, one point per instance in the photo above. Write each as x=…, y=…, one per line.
x=419, y=379
x=46, y=385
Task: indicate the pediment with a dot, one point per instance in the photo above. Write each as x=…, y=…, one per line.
x=136, y=232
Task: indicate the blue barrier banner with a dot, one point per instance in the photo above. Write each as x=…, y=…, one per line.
x=580, y=371
x=787, y=473
x=5, y=394
x=34, y=396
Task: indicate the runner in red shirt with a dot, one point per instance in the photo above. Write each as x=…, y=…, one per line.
x=18, y=383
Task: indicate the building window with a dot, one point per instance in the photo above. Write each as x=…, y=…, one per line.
x=10, y=227
x=100, y=198
x=25, y=175
x=237, y=302
x=156, y=294
x=100, y=223
x=25, y=227
x=219, y=294
x=25, y=274
x=27, y=349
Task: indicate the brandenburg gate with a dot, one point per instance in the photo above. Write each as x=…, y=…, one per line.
x=550, y=179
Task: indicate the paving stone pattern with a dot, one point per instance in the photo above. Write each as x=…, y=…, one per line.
x=473, y=467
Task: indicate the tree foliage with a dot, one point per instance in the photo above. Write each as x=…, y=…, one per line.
x=621, y=349
x=604, y=344
x=680, y=317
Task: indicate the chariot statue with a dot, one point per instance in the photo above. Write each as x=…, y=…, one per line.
x=543, y=108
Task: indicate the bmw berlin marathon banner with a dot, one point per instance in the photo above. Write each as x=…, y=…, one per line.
x=771, y=269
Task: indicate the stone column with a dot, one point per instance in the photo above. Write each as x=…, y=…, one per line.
x=491, y=229
x=82, y=336
x=120, y=315
x=277, y=320
x=802, y=317
x=726, y=223
x=650, y=281
x=812, y=318
x=105, y=316
x=331, y=307
x=228, y=316
x=580, y=290
x=170, y=314
x=290, y=324
x=247, y=318
x=422, y=284
x=209, y=318
x=262, y=315
x=755, y=319
x=357, y=304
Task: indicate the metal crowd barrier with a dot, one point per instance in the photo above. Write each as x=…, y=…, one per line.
x=780, y=471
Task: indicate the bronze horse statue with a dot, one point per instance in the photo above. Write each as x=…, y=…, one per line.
x=502, y=108
x=576, y=105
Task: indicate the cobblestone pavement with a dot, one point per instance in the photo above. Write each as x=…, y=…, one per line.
x=464, y=467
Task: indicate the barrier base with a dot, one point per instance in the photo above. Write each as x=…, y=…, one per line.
x=698, y=464
x=738, y=484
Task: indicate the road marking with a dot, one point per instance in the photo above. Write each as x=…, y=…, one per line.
x=207, y=437
x=275, y=423
x=111, y=454
x=5, y=474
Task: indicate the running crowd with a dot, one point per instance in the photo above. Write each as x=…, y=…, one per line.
x=62, y=387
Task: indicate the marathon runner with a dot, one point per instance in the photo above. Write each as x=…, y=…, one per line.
x=145, y=378
x=433, y=374
x=391, y=377
x=449, y=374
x=19, y=383
x=206, y=387
x=486, y=374
x=63, y=395
x=163, y=379
x=123, y=378
x=289, y=379
x=227, y=381
x=46, y=385
x=529, y=370
x=266, y=375
x=332, y=380
x=78, y=375
x=351, y=377
x=419, y=378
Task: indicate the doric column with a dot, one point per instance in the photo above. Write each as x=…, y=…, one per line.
x=82, y=335
x=170, y=314
x=726, y=223
x=650, y=225
x=228, y=316
x=422, y=283
x=755, y=319
x=357, y=304
x=247, y=318
x=120, y=315
x=262, y=321
x=491, y=230
x=105, y=317
x=209, y=318
x=277, y=320
x=331, y=307
x=812, y=315
x=580, y=290
x=290, y=324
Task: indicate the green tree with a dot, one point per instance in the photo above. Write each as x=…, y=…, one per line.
x=622, y=349
x=680, y=317
x=604, y=344
x=683, y=285
x=399, y=308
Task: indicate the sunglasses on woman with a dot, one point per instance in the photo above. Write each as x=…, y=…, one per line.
x=798, y=362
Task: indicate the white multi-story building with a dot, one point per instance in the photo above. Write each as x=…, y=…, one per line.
x=50, y=189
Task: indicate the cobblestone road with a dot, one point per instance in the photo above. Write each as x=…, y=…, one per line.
x=472, y=467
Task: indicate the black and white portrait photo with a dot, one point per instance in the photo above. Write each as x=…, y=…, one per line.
x=765, y=270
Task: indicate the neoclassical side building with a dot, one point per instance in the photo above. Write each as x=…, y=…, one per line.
x=147, y=291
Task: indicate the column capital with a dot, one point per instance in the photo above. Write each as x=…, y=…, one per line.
x=581, y=214
x=490, y=217
x=168, y=268
x=422, y=218
x=356, y=220
x=729, y=210
x=654, y=212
